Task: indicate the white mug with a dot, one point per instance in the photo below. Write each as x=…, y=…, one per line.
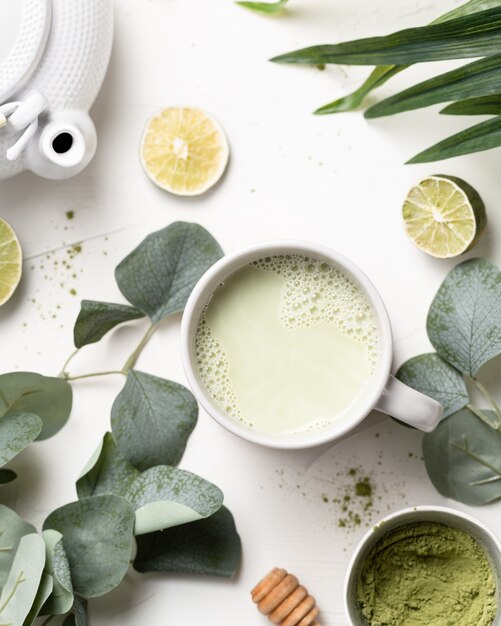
x=386, y=393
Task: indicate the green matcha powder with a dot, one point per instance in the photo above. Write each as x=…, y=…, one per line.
x=427, y=574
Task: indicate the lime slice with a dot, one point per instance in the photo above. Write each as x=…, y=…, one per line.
x=444, y=216
x=11, y=261
x=184, y=150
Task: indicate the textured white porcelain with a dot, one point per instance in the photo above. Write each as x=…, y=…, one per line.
x=53, y=68
x=443, y=515
x=386, y=393
x=24, y=29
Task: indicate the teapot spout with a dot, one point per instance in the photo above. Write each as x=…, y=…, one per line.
x=64, y=145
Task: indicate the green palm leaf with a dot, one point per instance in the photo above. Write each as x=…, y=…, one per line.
x=268, y=8
x=483, y=136
x=484, y=105
x=381, y=74
x=473, y=6
x=378, y=77
x=473, y=35
x=480, y=78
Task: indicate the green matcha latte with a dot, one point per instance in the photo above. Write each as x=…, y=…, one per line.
x=427, y=574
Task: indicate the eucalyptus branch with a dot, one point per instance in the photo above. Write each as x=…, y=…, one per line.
x=95, y=375
x=151, y=422
x=63, y=373
x=132, y=360
x=130, y=363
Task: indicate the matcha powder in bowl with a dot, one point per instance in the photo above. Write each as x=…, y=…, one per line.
x=427, y=574
x=425, y=566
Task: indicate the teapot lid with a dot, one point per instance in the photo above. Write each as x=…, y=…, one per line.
x=24, y=29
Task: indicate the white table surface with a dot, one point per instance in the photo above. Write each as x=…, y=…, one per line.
x=338, y=180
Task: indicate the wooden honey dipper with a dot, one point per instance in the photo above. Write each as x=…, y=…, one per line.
x=287, y=603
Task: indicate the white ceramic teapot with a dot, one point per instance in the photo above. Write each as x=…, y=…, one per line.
x=53, y=59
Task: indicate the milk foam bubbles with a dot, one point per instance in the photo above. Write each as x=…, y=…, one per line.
x=287, y=345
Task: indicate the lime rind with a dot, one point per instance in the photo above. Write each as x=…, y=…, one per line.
x=11, y=261
x=444, y=216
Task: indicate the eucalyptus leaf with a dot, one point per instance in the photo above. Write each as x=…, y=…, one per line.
x=464, y=321
x=17, y=431
x=7, y=476
x=483, y=136
x=107, y=472
x=484, y=105
x=463, y=458
x=27, y=392
x=78, y=615
x=43, y=593
x=159, y=275
x=268, y=8
x=98, y=318
x=152, y=419
x=210, y=547
x=167, y=496
x=21, y=587
x=57, y=566
x=480, y=78
x=98, y=536
x=12, y=530
x=475, y=35
x=431, y=375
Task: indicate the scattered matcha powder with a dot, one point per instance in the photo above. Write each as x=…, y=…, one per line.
x=58, y=268
x=358, y=501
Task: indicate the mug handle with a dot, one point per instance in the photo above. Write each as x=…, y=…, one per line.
x=410, y=406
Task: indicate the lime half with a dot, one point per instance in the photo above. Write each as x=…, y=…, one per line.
x=11, y=261
x=444, y=216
